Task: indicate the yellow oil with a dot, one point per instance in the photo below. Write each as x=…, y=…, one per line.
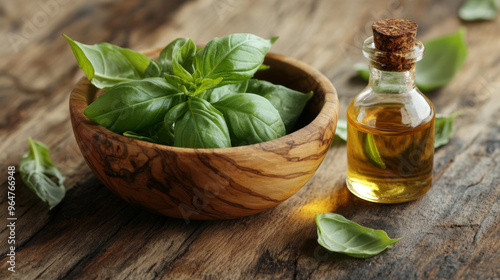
x=388, y=159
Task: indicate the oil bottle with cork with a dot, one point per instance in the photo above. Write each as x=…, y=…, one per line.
x=390, y=124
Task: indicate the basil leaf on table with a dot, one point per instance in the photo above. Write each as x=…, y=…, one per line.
x=338, y=234
x=201, y=126
x=444, y=57
x=288, y=102
x=250, y=118
x=214, y=94
x=37, y=172
x=443, y=129
x=134, y=105
x=234, y=58
x=107, y=65
x=479, y=10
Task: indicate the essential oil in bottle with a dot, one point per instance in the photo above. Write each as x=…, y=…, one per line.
x=390, y=124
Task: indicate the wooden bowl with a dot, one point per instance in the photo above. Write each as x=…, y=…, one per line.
x=207, y=184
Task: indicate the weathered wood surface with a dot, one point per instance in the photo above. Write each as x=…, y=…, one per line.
x=452, y=232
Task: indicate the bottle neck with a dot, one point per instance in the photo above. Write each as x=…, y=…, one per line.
x=391, y=82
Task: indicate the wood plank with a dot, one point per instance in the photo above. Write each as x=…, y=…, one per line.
x=451, y=232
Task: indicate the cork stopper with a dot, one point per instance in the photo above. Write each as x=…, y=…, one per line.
x=394, y=35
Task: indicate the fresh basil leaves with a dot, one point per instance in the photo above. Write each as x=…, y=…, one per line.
x=287, y=101
x=131, y=106
x=338, y=234
x=191, y=97
x=251, y=118
x=479, y=10
x=40, y=174
x=201, y=126
x=234, y=58
x=107, y=65
x=444, y=57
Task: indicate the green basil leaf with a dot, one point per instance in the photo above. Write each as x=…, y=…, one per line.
x=479, y=10
x=182, y=62
x=38, y=171
x=205, y=84
x=214, y=94
x=363, y=71
x=156, y=133
x=443, y=129
x=134, y=105
x=107, y=65
x=341, y=130
x=167, y=54
x=137, y=136
x=338, y=234
x=201, y=126
x=444, y=57
x=288, y=102
x=171, y=117
x=234, y=58
x=263, y=67
x=251, y=118
x=371, y=151
x=153, y=70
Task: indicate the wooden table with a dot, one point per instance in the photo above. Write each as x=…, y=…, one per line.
x=451, y=232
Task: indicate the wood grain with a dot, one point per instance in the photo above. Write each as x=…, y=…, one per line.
x=453, y=232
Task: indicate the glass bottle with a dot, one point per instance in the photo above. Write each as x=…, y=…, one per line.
x=390, y=124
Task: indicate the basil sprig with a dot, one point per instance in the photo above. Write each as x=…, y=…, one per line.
x=190, y=97
x=338, y=234
x=40, y=174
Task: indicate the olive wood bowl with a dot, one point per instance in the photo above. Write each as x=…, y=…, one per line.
x=209, y=184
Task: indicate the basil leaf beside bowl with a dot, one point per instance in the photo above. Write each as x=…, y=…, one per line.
x=250, y=118
x=234, y=58
x=107, y=65
x=338, y=234
x=134, y=105
x=40, y=174
x=479, y=10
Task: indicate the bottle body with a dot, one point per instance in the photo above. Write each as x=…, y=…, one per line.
x=390, y=147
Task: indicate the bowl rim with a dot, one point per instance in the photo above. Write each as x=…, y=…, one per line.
x=327, y=116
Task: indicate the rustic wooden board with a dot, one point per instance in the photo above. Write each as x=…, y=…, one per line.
x=452, y=232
